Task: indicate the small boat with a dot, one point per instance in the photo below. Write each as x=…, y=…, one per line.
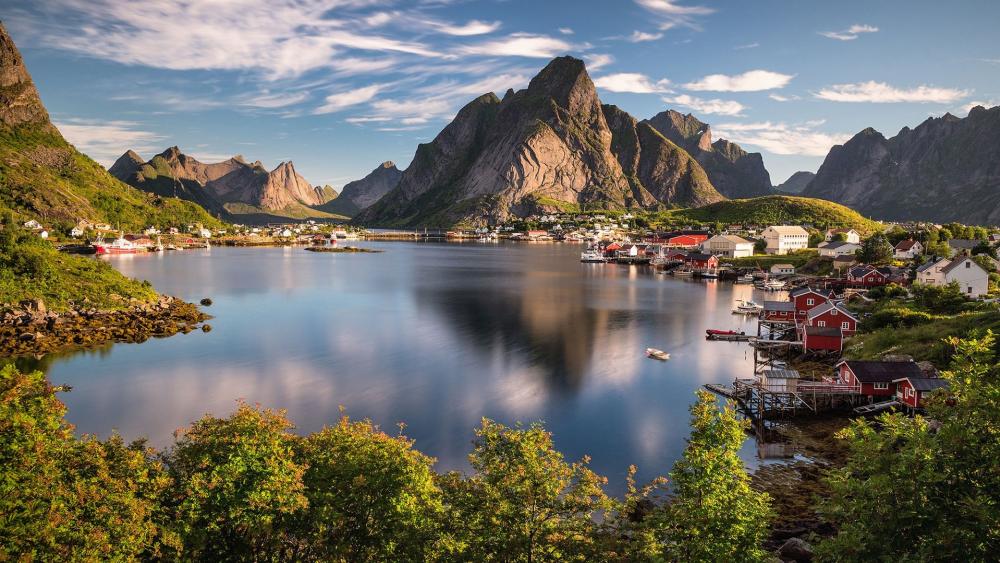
x=121, y=245
x=591, y=255
x=745, y=278
x=710, y=274
x=683, y=272
x=657, y=354
x=747, y=307
x=717, y=332
x=774, y=285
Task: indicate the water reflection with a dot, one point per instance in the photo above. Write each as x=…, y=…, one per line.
x=435, y=335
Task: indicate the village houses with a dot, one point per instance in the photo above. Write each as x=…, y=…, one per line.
x=972, y=279
x=908, y=249
x=728, y=246
x=782, y=239
x=834, y=249
x=850, y=235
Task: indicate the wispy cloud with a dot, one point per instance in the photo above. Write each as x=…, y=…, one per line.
x=782, y=138
x=750, y=81
x=474, y=27
x=520, y=45
x=597, y=61
x=849, y=34
x=965, y=109
x=105, y=141
x=672, y=14
x=880, y=92
x=747, y=46
x=343, y=100
x=566, y=31
x=641, y=36
x=631, y=82
x=266, y=100
x=781, y=98
x=713, y=106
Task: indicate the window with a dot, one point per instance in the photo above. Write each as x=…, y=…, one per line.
x=810, y=301
x=909, y=391
x=969, y=290
x=882, y=386
x=845, y=325
x=833, y=312
x=968, y=264
x=821, y=323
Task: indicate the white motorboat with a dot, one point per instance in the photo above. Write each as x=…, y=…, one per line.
x=683, y=272
x=592, y=255
x=745, y=278
x=745, y=307
x=774, y=285
x=657, y=354
x=710, y=274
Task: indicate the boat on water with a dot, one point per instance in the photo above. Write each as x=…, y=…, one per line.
x=773, y=285
x=657, y=354
x=683, y=272
x=710, y=274
x=592, y=255
x=746, y=307
x=717, y=332
x=120, y=245
x=745, y=278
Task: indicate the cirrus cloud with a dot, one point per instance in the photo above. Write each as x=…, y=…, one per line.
x=750, y=81
x=631, y=82
x=851, y=33
x=713, y=106
x=520, y=45
x=882, y=93
x=782, y=138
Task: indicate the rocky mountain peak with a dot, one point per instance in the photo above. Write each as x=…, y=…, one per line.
x=565, y=80
x=19, y=100
x=126, y=165
x=388, y=164
x=172, y=153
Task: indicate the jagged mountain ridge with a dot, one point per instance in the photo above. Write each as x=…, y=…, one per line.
x=44, y=177
x=734, y=172
x=552, y=145
x=216, y=186
x=945, y=169
x=796, y=182
x=362, y=194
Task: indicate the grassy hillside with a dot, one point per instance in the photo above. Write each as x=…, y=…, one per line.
x=44, y=177
x=771, y=210
x=31, y=268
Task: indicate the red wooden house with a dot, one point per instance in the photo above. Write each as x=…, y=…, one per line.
x=832, y=314
x=676, y=254
x=685, y=240
x=806, y=298
x=822, y=339
x=867, y=276
x=702, y=260
x=911, y=390
x=778, y=312
x=876, y=378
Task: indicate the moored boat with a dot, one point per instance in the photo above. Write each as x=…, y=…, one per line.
x=717, y=332
x=592, y=255
x=120, y=245
x=657, y=354
x=745, y=278
x=746, y=307
x=683, y=272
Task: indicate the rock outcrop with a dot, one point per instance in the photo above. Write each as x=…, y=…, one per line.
x=362, y=194
x=796, y=183
x=19, y=100
x=945, y=169
x=546, y=147
x=213, y=186
x=734, y=172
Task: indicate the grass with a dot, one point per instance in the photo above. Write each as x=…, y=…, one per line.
x=923, y=342
x=774, y=210
x=765, y=261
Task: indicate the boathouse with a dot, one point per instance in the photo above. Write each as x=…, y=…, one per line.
x=779, y=380
x=701, y=260
x=778, y=312
x=822, y=339
x=911, y=391
x=877, y=378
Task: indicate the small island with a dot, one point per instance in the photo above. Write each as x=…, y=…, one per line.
x=341, y=249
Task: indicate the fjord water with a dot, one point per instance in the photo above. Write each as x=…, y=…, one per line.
x=432, y=335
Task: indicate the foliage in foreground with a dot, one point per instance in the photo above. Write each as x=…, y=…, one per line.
x=246, y=488
x=925, y=489
x=30, y=268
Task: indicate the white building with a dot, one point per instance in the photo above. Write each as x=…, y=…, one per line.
x=782, y=239
x=835, y=249
x=729, y=246
x=850, y=235
x=782, y=269
x=908, y=249
x=76, y=232
x=972, y=279
x=33, y=225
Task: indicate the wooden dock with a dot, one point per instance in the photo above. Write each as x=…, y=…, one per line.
x=731, y=337
x=878, y=407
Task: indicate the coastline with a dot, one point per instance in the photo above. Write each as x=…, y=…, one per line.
x=29, y=329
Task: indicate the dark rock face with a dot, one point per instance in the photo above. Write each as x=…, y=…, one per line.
x=362, y=194
x=549, y=145
x=734, y=172
x=796, y=183
x=945, y=169
x=19, y=100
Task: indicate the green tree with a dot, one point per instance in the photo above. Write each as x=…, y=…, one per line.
x=713, y=514
x=910, y=492
x=235, y=482
x=815, y=238
x=875, y=250
x=525, y=502
x=372, y=497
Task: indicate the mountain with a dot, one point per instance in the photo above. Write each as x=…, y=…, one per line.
x=795, y=183
x=945, y=169
x=546, y=147
x=777, y=210
x=734, y=172
x=233, y=186
x=362, y=194
x=45, y=178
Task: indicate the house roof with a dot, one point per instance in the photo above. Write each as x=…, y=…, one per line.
x=838, y=231
x=783, y=266
x=838, y=244
x=700, y=256
x=779, y=306
x=930, y=264
x=781, y=373
x=905, y=245
x=823, y=331
x=828, y=306
x=804, y=290
x=731, y=238
x=925, y=383
x=789, y=230
x=963, y=244
x=869, y=371
x=860, y=271
x=958, y=262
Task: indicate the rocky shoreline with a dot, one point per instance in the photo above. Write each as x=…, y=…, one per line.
x=30, y=329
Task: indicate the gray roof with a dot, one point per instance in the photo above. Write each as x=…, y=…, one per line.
x=781, y=373
x=883, y=372
x=824, y=307
x=779, y=306
x=836, y=245
x=957, y=262
x=927, y=383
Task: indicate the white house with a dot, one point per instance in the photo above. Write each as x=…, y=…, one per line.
x=729, y=246
x=76, y=232
x=834, y=249
x=851, y=235
x=204, y=233
x=33, y=225
x=782, y=269
x=908, y=249
x=782, y=239
x=972, y=279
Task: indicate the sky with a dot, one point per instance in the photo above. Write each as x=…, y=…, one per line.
x=339, y=86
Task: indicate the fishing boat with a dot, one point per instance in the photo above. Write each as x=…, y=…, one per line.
x=774, y=285
x=683, y=272
x=745, y=278
x=710, y=274
x=120, y=245
x=745, y=307
x=717, y=332
x=657, y=354
x=591, y=255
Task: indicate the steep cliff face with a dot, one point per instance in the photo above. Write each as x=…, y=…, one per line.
x=945, y=169
x=19, y=100
x=549, y=146
x=216, y=186
x=734, y=172
x=362, y=194
x=796, y=183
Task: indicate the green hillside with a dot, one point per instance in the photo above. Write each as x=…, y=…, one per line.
x=42, y=176
x=772, y=210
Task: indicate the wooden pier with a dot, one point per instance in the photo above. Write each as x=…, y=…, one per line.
x=731, y=337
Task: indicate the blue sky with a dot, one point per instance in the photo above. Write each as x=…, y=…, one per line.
x=339, y=86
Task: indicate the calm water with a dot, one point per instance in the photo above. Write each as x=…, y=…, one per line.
x=433, y=335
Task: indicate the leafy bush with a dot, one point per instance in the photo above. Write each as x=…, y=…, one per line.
x=895, y=317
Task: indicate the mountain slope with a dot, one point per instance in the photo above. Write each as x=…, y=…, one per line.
x=796, y=183
x=233, y=186
x=548, y=146
x=44, y=177
x=776, y=210
x=945, y=169
x=362, y=194
x=734, y=172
